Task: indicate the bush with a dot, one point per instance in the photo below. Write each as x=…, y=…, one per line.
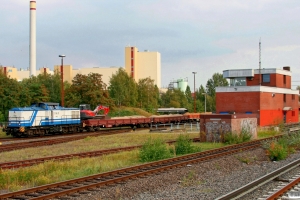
x=234, y=138
x=277, y=151
x=245, y=135
x=154, y=150
x=184, y=145
x=231, y=138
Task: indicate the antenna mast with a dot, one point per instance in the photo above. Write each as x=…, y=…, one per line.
x=259, y=62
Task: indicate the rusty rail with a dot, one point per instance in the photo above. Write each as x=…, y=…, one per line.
x=28, y=144
x=242, y=191
x=121, y=175
x=30, y=162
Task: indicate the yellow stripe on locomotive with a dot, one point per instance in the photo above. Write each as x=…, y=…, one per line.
x=22, y=129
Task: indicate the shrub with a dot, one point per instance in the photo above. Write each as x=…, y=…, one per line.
x=277, y=151
x=234, y=138
x=184, y=145
x=245, y=135
x=231, y=138
x=154, y=150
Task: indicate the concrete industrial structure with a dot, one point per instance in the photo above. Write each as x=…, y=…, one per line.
x=265, y=93
x=32, y=46
x=146, y=64
x=181, y=84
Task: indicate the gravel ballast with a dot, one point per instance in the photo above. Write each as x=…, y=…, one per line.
x=206, y=180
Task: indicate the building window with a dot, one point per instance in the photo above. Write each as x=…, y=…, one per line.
x=239, y=81
x=293, y=97
x=284, y=79
x=293, y=113
x=266, y=78
x=284, y=97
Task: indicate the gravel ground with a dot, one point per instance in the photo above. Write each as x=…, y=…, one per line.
x=207, y=180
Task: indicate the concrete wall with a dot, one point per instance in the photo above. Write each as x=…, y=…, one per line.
x=213, y=127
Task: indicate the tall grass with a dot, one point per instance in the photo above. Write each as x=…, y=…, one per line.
x=55, y=171
x=154, y=150
x=234, y=138
x=3, y=134
x=263, y=133
x=51, y=172
x=89, y=144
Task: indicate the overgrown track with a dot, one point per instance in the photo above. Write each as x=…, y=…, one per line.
x=120, y=176
x=67, y=138
x=30, y=162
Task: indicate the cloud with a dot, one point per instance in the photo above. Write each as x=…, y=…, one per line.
x=286, y=48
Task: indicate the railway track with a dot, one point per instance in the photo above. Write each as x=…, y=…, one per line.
x=30, y=162
x=80, y=185
x=45, y=142
x=286, y=191
x=276, y=193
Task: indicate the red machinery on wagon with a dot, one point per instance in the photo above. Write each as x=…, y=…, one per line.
x=87, y=113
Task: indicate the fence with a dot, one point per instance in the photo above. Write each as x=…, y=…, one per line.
x=187, y=127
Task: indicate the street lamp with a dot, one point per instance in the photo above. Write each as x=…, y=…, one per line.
x=194, y=93
x=205, y=102
x=62, y=80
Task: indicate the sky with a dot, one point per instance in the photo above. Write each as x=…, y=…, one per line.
x=200, y=36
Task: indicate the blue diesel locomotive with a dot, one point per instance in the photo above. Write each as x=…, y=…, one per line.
x=42, y=118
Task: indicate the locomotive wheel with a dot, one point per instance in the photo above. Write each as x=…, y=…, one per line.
x=64, y=130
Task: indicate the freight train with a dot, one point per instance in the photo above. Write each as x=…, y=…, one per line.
x=50, y=118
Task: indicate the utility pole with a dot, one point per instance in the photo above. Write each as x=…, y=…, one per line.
x=259, y=62
x=62, y=80
x=194, y=93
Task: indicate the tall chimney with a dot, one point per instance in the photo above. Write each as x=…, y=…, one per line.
x=32, y=45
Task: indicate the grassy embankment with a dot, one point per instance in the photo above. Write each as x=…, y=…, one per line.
x=52, y=171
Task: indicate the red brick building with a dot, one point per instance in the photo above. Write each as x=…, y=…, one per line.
x=266, y=93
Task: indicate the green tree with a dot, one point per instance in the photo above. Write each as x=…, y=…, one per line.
x=123, y=89
x=147, y=94
x=174, y=98
x=88, y=89
x=11, y=94
x=36, y=90
x=201, y=99
x=190, y=99
x=217, y=80
x=53, y=84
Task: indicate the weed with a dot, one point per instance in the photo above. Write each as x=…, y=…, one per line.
x=267, y=133
x=189, y=179
x=234, y=138
x=218, y=167
x=277, y=151
x=247, y=159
